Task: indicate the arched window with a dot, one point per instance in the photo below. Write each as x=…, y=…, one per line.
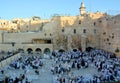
x=50, y=34
x=63, y=30
x=79, y=21
x=74, y=31
x=84, y=30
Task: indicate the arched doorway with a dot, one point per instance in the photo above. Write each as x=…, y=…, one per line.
x=75, y=50
x=61, y=50
x=47, y=51
x=38, y=51
x=88, y=49
x=29, y=50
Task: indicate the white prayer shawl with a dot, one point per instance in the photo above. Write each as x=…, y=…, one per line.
x=66, y=80
x=18, y=64
x=118, y=73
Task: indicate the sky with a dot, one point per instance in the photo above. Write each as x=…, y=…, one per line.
x=10, y=9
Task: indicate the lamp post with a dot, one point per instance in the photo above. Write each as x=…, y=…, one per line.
x=3, y=37
x=13, y=44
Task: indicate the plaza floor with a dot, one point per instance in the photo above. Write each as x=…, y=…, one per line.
x=46, y=76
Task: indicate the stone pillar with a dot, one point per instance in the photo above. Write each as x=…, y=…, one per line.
x=83, y=42
x=69, y=41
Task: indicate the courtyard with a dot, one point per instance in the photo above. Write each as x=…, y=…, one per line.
x=62, y=67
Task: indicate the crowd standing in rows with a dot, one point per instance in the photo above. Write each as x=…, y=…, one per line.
x=65, y=63
x=106, y=63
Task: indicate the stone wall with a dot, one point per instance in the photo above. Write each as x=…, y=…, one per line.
x=66, y=32
x=9, y=60
x=109, y=30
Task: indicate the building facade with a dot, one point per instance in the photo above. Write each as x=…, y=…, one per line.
x=97, y=30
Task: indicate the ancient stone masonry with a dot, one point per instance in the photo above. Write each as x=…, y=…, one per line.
x=97, y=29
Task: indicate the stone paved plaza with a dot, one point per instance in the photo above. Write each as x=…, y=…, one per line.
x=46, y=75
x=59, y=68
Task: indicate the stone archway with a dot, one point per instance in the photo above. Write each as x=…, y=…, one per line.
x=61, y=50
x=74, y=50
x=88, y=49
x=47, y=51
x=29, y=50
x=38, y=51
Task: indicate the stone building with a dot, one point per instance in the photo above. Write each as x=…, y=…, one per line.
x=98, y=30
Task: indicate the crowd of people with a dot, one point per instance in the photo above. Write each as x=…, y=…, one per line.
x=106, y=64
x=24, y=63
x=64, y=64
